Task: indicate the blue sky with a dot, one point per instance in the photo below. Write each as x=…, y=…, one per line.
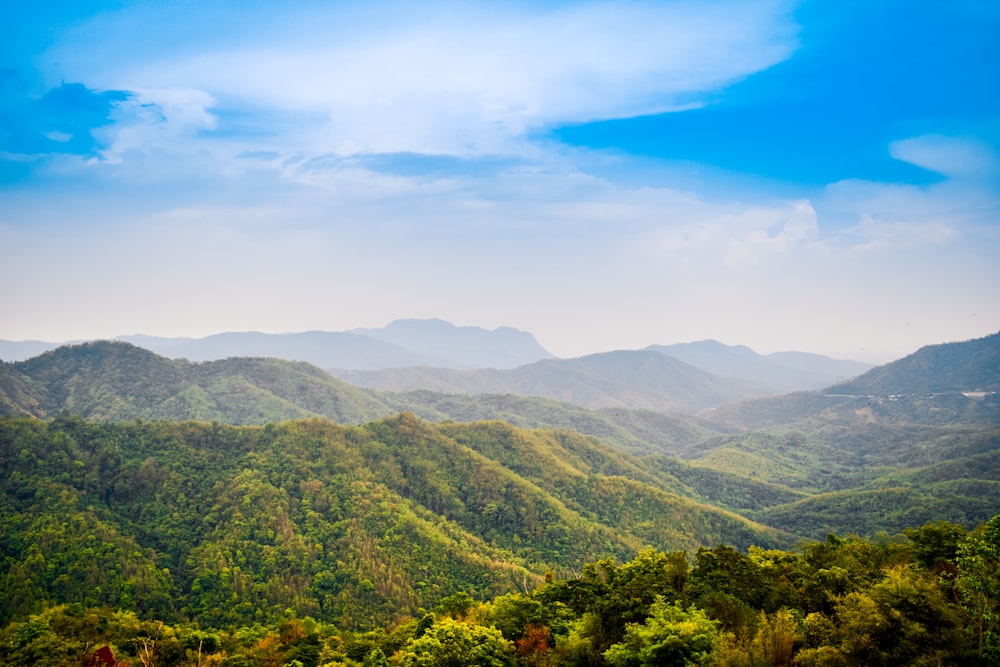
x=819, y=176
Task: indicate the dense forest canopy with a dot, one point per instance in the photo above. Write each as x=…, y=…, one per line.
x=929, y=597
x=405, y=542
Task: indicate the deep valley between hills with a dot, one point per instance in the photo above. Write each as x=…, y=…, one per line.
x=252, y=489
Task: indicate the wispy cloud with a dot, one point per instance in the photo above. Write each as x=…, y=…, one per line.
x=472, y=81
x=951, y=156
x=157, y=120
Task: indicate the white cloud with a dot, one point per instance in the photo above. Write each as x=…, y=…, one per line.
x=584, y=263
x=440, y=81
x=734, y=236
x=772, y=237
x=156, y=120
x=950, y=156
x=866, y=216
x=877, y=234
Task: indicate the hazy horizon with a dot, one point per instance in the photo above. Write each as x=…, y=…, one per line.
x=764, y=352
x=820, y=177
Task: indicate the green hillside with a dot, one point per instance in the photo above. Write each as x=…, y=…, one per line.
x=113, y=381
x=350, y=524
x=765, y=461
x=634, y=431
x=947, y=368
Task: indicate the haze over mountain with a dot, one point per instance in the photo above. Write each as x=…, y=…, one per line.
x=320, y=348
x=776, y=373
x=401, y=343
x=624, y=379
x=688, y=377
x=460, y=347
x=937, y=384
x=411, y=355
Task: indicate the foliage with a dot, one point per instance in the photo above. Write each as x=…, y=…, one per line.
x=231, y=525
x=978, y=586
x=115, y=381
x=671, y=635
x=844, y=601
x=450, y=643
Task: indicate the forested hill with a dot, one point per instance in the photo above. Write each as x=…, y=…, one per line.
x=943, y=384
x=376, y=519
x=351, y=524
x=115, y=381
x=970, y=366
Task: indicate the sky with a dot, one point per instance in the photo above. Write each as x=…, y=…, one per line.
x=821, y=176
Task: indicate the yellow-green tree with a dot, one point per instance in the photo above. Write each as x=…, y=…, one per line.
x=672, y=635
x=450, y=643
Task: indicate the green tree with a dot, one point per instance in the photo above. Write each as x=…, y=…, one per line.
x=978, y=586
x=902, y=620
x=670, y=636
x=772, y=644
x=376, y=659
x=936, y=542
x=450, y=643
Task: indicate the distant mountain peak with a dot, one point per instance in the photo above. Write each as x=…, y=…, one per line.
x=461, y=347
x=774, y=373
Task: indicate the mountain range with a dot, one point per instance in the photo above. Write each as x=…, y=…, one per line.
x=409, y=355
x=636, y=379
x=776, y=373
x=401, y=343
x=824, y=446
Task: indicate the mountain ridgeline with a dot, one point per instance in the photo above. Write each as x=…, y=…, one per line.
x=400, y=343
x=408, y=355
x=624, y=379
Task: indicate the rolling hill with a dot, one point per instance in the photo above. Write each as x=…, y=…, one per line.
x=354, y=525
x=116, y=381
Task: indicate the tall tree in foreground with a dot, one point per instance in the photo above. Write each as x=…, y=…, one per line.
x=978, y=586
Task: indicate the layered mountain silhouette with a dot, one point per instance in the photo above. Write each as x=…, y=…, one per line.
x=413, y=354
x=687, y=377
x=458, y=347
x=637, y=379
x=777, y=373
x=401, y=343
